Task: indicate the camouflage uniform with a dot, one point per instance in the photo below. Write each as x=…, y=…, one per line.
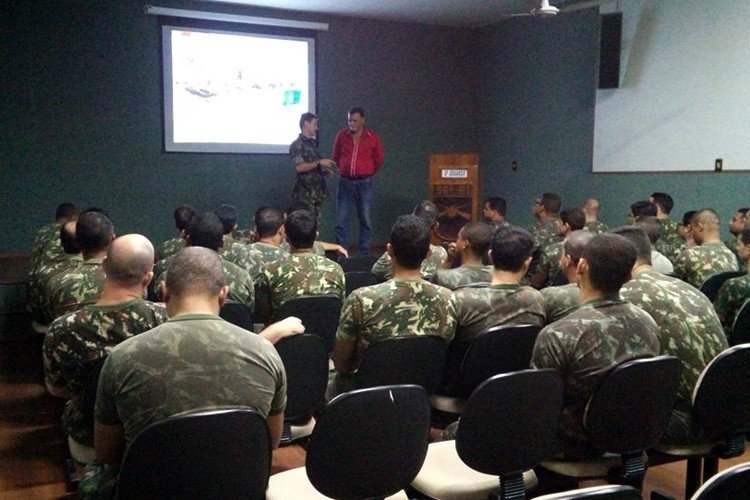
x=542, y=231
x=309, y=187
x=596, y=227
x=732, y=245
x=461, y=276
x=688, y=329
x=585, y=346
x=76, y=341
x=696, y=264
x=268, y=253
x=298, y=274
x=561, y=300
x=47, y=245
x=670, y=243
x=190, y=362
x=243, y=256
x=39, y=281
x=69, y=291
x=169, y=248
x=549, y=263
x=383, y=269
x=732, y=295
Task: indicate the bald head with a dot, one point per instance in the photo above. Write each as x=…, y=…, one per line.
x=129, y=259
x=591, y=208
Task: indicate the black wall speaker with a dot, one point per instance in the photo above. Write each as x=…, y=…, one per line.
x=609, y=54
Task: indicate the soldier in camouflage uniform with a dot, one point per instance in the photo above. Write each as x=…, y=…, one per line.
x=198, y=359
x=696, y=264
x=545, y=209
x=563, y=300
x=670, y=243
x=736, y=224
x=269, y=229
x=245, y=257
x=474, y=240
x=300, y=273
x=603, y=333
x=77, y=341
x=227, y=214
x=311, y=168
x=494, y=210
x=72, y=290
x=428, y=213
x=46, y=244
x=548, y=270
x=592, y=209
x=688, y=328
x=734, y=292
x=651, y=225
x=182, y=216
x=404, y=305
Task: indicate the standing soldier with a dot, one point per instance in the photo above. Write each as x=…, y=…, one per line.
x=310, y=184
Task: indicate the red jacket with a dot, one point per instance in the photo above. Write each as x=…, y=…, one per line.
x=363, y=158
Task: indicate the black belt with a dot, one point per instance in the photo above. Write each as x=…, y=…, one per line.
x=356, y=177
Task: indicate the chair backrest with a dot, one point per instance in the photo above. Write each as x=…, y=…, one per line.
x=358, y=279
x=630, y=410
x=88, y=399
x=500, y=349
x=369, y=443
x=415, y=359
x=721, y=399
x=237, y=314
x=510, y=422
x=222, y=453
x=711, y=286
x=306, y=364
x=741, y=326
x=357, y=263
x=730, y=484
x=319, y=313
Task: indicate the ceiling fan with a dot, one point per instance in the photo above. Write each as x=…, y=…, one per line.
x=542, y=8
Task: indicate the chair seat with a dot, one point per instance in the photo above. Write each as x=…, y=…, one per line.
x=295, y=484
x=444, y=476
x=595, y=468
x=448, y=404
x=302, y=431
x=686, y=450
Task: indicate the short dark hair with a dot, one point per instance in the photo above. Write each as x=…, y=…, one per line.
x=301, y=229
x=574, y=217
x=93, y=231
x=639, y=238
x=306, y=117
x=574, y=244
x=197, y=270
x=610, y=258
x=66, y=211
x=744, y=211
x=687, y=217
x=479, y=235
x=356, y=110
x=511, y=246
x=205, y=230
x=551, y=203
x=228, y=216
x=664, y=201
x=643, y=208
x=267, y=221
x=297, y=205
x=651, y=225
x=410, y=241
x=745, y=235
x=707, y=217
x=497, y=204
x=428, y=212
x=68, y=238
x=182, y=216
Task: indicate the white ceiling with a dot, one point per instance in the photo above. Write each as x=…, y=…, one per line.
x=468, y=13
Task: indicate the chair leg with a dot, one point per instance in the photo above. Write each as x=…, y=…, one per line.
x=693, y=477
x=710, y=467
x=511, y=488
x=632, y=471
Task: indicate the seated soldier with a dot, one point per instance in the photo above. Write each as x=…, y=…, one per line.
x=548, y=270
x=77, y=341
x=653, y=229
x=228, y=216
x=302, y=272
x=473, y=242
x=403, y=305
x=182, y=216
x=546, y=209
x=46, y=244
x=641, y=209
x=269, y=231
x=688, y=327
x=494, y=210
x=734, y=292
x=592, y=209
x=670, y=243
x=319, y=247
x=427, y=211
x=564, y=299
x=736, y=224
x=234, y=250
x=604, y=332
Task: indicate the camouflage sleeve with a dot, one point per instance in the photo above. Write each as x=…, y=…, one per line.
x=721, y=304
x=351, y=318
x=105, y=410
x=452, y=320
x=278, y=404
x=296, y=153
x=340, y=283
x=53, y=372
x=382, y=269
x=549, y=351
x=680, y=266
x=545, y=262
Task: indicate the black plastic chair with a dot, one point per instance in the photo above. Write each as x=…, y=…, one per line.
x=608, y=492
x=319, y=313
x=625, y=416
x=306, y=364
x=237, y=314
x=416, y=359
x=711, y=286
x=730, y=484
x=368, y=443
x=721, y=415
x=358, y=279
x=88, y=398
x=357, y=263
x=509, y=426
x=202, y=454
x=741, y=326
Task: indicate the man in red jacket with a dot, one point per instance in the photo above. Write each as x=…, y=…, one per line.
x=358, y=153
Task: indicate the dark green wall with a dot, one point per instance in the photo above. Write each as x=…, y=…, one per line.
x=81, y=116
